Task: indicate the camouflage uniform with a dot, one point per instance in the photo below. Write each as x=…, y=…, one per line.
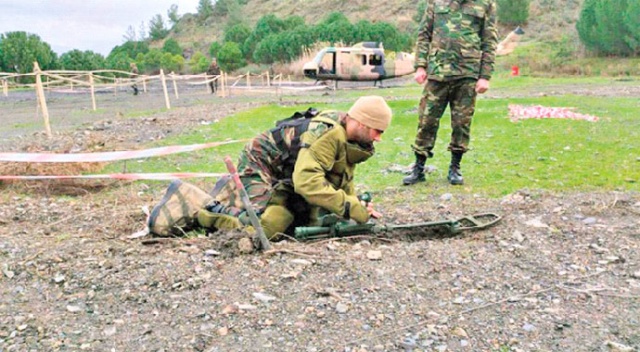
x=213, y=70
x=134, y=75
x=456, y=45
x=323, y=177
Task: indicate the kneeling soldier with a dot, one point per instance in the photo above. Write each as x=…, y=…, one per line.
x=302, y=168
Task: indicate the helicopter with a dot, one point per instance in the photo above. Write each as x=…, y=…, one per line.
x=367, y=61
x=364, y=61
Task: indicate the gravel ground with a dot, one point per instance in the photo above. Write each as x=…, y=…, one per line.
x=560, y=272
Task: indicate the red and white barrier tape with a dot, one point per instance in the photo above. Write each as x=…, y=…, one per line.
x=131, y=177
x=519, y=112
x=106, y=156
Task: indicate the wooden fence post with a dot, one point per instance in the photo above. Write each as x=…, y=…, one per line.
x=268, y=80
x=226, y=80
x=248, y=79
x=5, y=87
x=223, y=83
x=164, y=88
x=144, y=84
x=93, y=93
x=41, y=98
x=175, y=86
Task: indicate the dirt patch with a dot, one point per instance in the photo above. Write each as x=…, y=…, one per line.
x=617, y=88
x=561, y=272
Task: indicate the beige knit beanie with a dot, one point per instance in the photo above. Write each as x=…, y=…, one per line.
x=372, y=111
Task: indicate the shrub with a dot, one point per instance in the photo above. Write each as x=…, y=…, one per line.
x=230, y=57
x=214, y=49
x=513, y=12
x=198, y=62
x=172, y=47
x=610, y=27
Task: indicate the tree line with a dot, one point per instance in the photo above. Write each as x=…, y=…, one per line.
x=275, y=40
x=605, y=27
x=271, y=40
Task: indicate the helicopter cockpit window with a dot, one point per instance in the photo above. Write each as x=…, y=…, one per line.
x=375, y=60
x=363, y=59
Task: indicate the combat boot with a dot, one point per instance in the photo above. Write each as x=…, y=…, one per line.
x=455, y=176
x=417, y=173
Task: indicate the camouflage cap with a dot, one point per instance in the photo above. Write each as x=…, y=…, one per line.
x=372, y=111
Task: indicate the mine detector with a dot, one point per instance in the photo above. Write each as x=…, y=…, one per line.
x=365, y=61
x=332, y=226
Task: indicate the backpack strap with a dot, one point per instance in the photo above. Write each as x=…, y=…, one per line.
x=300, y=122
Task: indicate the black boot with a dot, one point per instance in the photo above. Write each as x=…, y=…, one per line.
x=417, y=173
x=455, y=176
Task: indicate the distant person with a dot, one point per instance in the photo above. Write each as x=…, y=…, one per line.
x=323, y=69
x=134, y=75
x=455, y=57
x=214, y=70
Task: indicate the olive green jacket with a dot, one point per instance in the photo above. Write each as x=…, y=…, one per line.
x=323, y=173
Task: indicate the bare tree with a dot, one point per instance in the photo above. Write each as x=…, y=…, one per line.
x=205, y=9
x=130, y=35
x=142, y=31
x=173, y=15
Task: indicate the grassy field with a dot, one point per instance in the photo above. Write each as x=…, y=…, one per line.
x=550, y=154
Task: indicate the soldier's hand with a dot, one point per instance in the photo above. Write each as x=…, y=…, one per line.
x=482, y=86
x=372, y=212
x=421, y=75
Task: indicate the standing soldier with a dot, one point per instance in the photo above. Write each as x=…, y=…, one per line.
x=134, y=76
x=214, y=71
x=455, y=56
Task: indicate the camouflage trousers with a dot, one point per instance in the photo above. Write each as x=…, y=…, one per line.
x=214, y=86
x=460, y=96
x=258, y=170
x=259, y=167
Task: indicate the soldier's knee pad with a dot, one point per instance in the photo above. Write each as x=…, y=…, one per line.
x=216, y=221
x=275, y=219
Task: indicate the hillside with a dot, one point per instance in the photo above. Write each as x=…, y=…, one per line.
x=549, y=19
x=192, y=34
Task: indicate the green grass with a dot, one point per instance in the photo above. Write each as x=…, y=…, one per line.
x=503, y=80
x=562, y=58
x=549, y=154
x=23, y=125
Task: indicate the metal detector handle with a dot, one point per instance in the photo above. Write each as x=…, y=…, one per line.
x=308, y=232
x=264, y=242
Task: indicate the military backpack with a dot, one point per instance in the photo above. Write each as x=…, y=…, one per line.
x=298, y=123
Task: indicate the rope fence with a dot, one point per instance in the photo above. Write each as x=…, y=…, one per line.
x=100, y=157
x=105, y=81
